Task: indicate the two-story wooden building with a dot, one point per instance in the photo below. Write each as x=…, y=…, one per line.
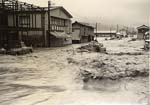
x=82, y=32
x=33, y=25
x=20, y=21
x=60, y=30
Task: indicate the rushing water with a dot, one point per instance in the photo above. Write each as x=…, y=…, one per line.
x=35, y=88
x=46, y=78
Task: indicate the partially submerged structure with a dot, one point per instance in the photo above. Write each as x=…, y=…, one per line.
x=142, y=31
x=19, y=22
x=33, y=25
x=111, y=33
x=124, y=32
x=82, y=32
x=93, y=46
x=60, y=30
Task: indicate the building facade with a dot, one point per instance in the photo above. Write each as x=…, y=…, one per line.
x=19, y=22
x=33, y=25
x=60, y=30
x=141, y=31
x=82, y=32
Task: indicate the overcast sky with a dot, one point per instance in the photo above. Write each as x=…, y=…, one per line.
x=124, y=12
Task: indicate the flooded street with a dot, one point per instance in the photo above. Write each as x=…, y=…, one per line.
x=45, y=77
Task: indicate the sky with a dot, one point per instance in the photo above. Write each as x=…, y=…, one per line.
x=123, y=12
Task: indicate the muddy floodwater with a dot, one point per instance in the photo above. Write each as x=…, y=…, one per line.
x=46, y=77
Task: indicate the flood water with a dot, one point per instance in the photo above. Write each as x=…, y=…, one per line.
x=46, y=78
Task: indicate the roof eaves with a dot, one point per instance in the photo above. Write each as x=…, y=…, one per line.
x=143, y=26
x=63, y=9
x=83, y=24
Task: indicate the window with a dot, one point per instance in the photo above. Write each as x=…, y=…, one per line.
x=3, y=19
x=24, y=21
x=57, y=24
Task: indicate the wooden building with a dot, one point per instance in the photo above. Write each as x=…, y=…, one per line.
x=33, y=25
x=60, y=30
x=82, y=32
x=141, y=31
x=19, y=22
x=111, y=33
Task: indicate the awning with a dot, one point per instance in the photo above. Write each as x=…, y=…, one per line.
x=60, y=34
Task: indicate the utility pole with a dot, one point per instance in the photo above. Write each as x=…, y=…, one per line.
x=127, y=31
x=17, y=17
x=49, y=23
x=49, y=16
x=96, y=31
x=117, y=28
x=110, y=32
x=2, y=4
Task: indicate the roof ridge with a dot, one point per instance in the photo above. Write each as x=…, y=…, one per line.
x=85, y=24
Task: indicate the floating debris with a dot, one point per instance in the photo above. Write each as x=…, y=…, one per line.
x=92, y=47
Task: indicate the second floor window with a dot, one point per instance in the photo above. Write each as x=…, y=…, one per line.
x=58, y=24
